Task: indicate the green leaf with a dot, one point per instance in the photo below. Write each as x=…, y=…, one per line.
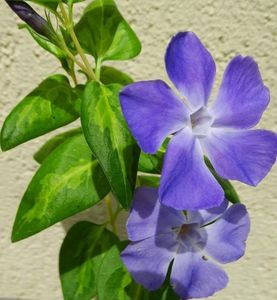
x=50, y=46
x=70, y=180
x=51, y=105
x=80, y=259
x=230, y=193
x=113, y=277
x=111, y=75
x=45, y=43
x=52, y=4
x=148, y=180
x=104, y=33
x=53, y=143
x=109, y=138
x=151, y=163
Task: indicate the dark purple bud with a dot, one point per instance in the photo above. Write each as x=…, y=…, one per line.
x=29, y=16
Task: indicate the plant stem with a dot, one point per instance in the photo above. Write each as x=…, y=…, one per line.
x=138, y=291
x=98, y=69
x=73, y=76
x=110, y=213
x=68, y=24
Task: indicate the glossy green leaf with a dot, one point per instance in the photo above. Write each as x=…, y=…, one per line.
x=70, y=180
x=52, y=4
x=50, y=46
x=45, y=43
x=113, y=277
x=148, y=180
x=53, y=143
x=104, y=33
x=230, y=193
x=151, y=163
x=51, y=105
x=80, y=259
x=111, y=75
x=109, y=138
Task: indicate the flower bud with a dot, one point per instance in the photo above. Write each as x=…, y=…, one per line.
x=29, y=16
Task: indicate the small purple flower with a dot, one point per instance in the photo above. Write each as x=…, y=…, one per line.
x=160, y=235
x=221, y=132
x=32, y=18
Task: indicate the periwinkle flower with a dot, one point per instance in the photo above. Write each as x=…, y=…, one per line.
x=160, y=235
x=220, y=131
x=32, y=18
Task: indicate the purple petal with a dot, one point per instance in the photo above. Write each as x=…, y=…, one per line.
x=191, y=68
x=148, y=260
x=227, y=236
x=205, y=216
x=242, y=97
x=245, y=155
x=186, y=182
x=148, y=217
x=193, y=276
x=152, y=112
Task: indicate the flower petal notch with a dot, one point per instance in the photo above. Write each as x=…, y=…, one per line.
x=221, y=131
x=164, y=235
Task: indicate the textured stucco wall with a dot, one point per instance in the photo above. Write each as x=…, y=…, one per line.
x=28, y=269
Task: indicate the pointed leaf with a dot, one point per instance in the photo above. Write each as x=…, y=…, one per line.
x=51, y=105
x=113, y=277
x=52, y=4
x=80, y=259
x=104, y=33
x=50, y=46
x=110, y=139
x=53, y=143
x=151, y=163
x=112, y=75
x=70, y=180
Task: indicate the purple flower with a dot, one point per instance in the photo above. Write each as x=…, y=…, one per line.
x=160, y=235
x=221, y=132
x=29, y=16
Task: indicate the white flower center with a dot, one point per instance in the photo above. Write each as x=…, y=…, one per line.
x=201, y=122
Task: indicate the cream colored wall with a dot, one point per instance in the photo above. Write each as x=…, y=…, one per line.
x=28, y=269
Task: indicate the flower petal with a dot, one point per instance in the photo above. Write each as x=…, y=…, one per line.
x=190, y=67
x=193, y=276
x=148, y=260
x=152, y=112
x=205, y=216
x=242, y=97
x=227, y=236
x=148, y=217
x=244, y=155
x=186, y=182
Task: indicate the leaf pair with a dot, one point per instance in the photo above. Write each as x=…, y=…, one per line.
x=70, y=179
x=90, y=265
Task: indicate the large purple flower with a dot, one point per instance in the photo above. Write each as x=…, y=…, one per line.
x=221, y=132
x=160, y=235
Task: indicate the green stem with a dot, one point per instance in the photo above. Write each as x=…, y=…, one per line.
x=138, y=291
x=98, y=69
x=110, y=213
x=73, y=76
x=69, y=26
